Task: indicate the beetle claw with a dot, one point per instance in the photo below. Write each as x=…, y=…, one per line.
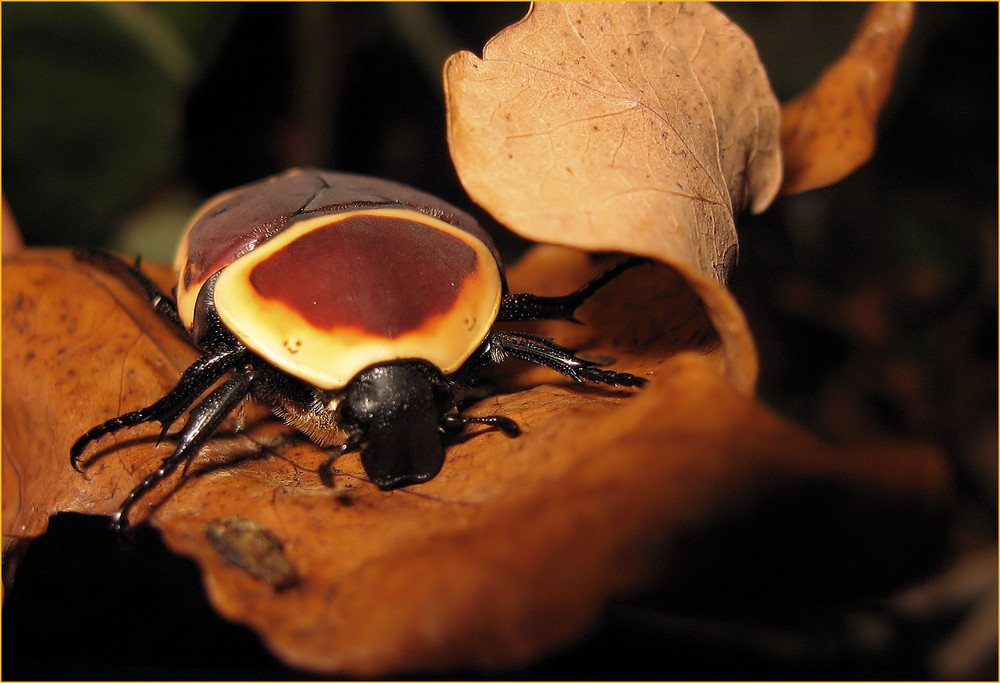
x=163, y=433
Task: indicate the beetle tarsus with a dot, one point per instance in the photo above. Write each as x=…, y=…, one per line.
x=131, y=419
x=611, y=377
x=326, y=469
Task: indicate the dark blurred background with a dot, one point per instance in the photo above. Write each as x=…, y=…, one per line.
x=873, y=301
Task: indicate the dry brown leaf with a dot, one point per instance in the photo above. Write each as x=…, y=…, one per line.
x=630, y=126
x=10, y=240
x=829, y=130
x=515, y=547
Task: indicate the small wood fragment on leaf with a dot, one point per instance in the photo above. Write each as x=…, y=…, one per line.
x=253, y=548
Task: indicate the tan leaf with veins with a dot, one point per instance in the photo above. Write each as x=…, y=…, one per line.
x=633, y=127
x=626, y=126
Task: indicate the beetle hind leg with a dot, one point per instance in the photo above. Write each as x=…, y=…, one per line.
x=202, y=423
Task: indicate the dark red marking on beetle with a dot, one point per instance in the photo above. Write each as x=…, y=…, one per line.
x=254, y=213
x=235, y=225
x=385, y=276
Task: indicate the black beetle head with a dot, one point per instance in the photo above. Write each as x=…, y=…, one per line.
x=398, y=409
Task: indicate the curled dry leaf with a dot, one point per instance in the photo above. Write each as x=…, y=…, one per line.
x=641, y=127
x=829, y=130
x=516, y=546
x=10, y=241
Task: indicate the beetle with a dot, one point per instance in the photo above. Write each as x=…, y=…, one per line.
x=358, y=309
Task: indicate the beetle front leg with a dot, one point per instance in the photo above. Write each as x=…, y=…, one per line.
x=457, y=422
x=521, y=307
x=543, y=351
x=204, y=419
x=199, y=376
x=326, y=469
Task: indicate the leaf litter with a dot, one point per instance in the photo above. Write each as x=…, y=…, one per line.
x=519, y=544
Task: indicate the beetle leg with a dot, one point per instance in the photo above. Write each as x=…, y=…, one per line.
x=518, y=307
x=543, y=351
x=163, y=304
x=204, y=419
x=196, y=379
x=458, y=422
x=325, y=470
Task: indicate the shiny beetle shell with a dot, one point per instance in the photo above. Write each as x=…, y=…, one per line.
x=324, y=274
